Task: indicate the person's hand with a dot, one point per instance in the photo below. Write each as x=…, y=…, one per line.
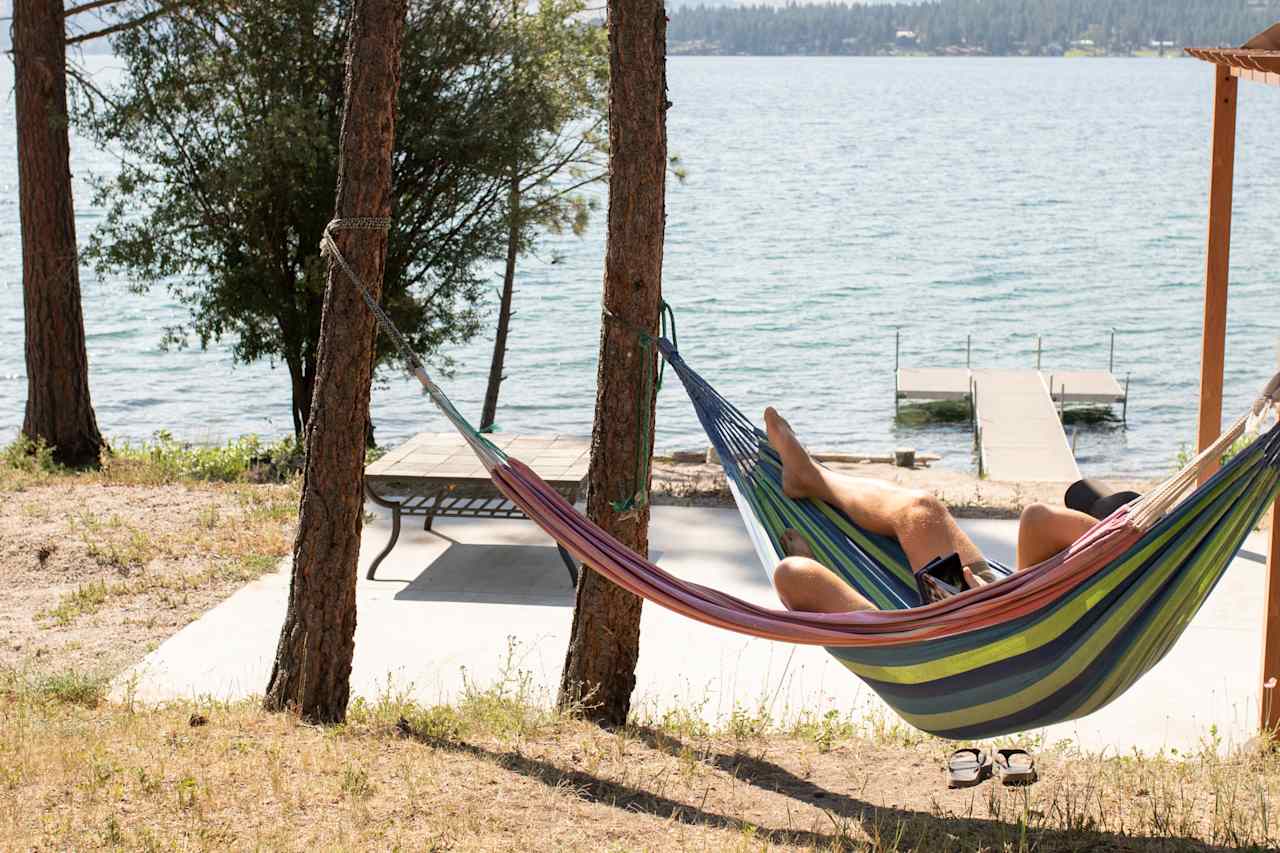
x=973, y=580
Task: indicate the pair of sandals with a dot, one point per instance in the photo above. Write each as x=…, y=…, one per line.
x=971, y=766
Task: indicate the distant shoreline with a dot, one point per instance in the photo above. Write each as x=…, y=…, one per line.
x=671, y=52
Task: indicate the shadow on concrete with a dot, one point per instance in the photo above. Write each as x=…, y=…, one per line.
x=850, y=818
x=496, y=574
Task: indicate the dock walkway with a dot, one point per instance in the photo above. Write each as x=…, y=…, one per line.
x=1019, y=434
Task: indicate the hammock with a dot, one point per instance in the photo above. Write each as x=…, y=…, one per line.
x=1050, y=643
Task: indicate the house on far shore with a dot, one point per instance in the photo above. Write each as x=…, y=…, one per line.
x=1162, y=46
x=906, y=38
x=1086, y=47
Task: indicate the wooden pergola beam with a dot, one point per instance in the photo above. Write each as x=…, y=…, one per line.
x=1218, y=264
x=1239, y=58
x=1258, y=61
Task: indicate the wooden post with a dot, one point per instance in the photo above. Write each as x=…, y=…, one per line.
x=1269, y=696
x=1268, y=712
x=1225, y=90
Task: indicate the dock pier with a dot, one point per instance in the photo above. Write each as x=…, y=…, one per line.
x=1017, y=414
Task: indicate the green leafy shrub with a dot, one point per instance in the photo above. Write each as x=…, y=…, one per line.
x=32, y=457
x=247, y=458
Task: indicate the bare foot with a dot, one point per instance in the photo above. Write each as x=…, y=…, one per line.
x=800, y=476
x=795, y=545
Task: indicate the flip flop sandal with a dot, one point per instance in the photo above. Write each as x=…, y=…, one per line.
x=1015, y=767
x=967, y=767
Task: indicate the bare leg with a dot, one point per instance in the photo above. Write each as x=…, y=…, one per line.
x=918, y=520
x=806, y=585
x=1044, y=531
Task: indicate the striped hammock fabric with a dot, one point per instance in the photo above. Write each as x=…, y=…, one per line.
x=1051, y=643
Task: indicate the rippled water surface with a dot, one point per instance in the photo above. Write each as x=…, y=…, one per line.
x=829, y=201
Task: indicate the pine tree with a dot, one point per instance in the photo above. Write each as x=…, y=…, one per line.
x=59, y=411
x=313, y=660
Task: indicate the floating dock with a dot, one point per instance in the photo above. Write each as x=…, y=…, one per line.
x=1017, y=414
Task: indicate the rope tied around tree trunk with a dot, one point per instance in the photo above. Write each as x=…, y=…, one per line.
x=329, y=249
x=638, y=496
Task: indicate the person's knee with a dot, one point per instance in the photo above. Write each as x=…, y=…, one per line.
x=1036, y=516
x=921, y=511
x=792, y=572
x=793, y=578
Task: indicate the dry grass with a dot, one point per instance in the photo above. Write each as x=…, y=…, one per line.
x=499, y=772
x=100, y=567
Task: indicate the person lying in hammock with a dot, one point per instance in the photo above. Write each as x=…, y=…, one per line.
x=918, y=520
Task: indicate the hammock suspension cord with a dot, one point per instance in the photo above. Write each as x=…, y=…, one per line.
x=638, y=495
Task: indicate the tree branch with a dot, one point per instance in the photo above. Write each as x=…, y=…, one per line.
x=123, y=25
x=88, y=7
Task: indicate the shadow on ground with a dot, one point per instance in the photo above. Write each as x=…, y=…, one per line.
x=855, y=824
x=498, y=574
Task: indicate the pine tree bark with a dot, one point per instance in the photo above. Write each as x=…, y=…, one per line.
x=599, y=671
x=59, y=410
x=490, y=411
x=313, y=660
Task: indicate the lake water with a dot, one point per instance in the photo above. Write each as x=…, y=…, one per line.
x=829, y=202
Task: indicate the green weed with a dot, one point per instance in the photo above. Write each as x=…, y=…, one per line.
x=167, y=460
x=84, y=600
x=68, y=687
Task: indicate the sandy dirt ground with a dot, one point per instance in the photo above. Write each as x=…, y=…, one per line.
x=95, y=576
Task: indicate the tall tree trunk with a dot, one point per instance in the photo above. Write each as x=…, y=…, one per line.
x=504, y=310
x=59, y=410
x=600, y=665
x=300, y=394
x=313, y=660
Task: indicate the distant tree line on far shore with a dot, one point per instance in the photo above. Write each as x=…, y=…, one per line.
x=981, y=27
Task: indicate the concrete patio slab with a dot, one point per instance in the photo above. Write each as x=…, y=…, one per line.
x=478, y=600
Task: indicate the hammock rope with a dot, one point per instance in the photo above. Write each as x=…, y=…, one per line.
x=638, y=495
x=1049, y=643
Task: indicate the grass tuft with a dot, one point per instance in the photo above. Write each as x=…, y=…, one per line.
x=84, y=600
x=67, y=687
